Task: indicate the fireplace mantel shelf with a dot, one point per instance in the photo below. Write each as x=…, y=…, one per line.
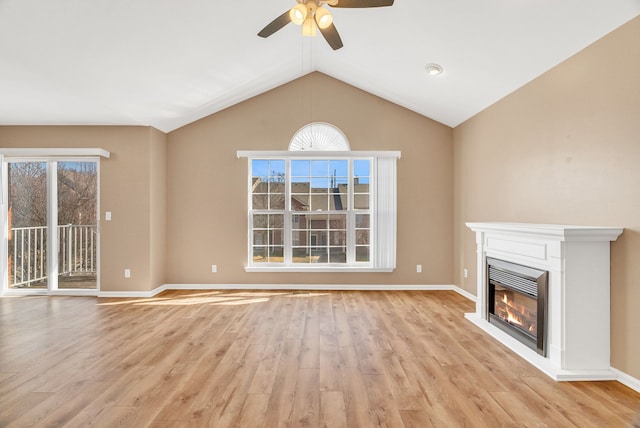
x=552, y=231
x=577, y=259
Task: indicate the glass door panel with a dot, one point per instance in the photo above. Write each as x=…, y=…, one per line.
x=77, y=195
x=27, y=225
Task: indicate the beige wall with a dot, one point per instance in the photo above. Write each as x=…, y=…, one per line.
x=157, y=207
x=564, y=149
x=207, y=184
x=125, y=190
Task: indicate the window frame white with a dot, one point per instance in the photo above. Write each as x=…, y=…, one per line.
x=382, y=220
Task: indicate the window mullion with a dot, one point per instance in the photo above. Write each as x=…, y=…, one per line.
x=288, y=217
x=351, y=219
x=250, y=219
x=373, y=202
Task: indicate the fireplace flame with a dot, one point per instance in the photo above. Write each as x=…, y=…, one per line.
x=514, y=313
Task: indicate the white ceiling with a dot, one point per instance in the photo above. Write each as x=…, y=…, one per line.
x=166, y=63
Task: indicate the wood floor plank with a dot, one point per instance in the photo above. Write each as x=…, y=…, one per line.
x=168, y=424
x=416, y=419
x=149, y=396
x=525, y=407
x=447, y=405
x=297, y=324
x=348, y=356
x=200, y=409
x=265, y=377
x=332, y=410
x=253, y=410
x=329, y=364
x=63, y=410
x=226, y=408
x=613, y=395
x=481, y=404
x=107, y=399
x=340, y=320
x=405, y=389
x=310, y=353
x=369, y=357
x=188, y=392
x=306, y=402
x=112, y=416
x=280, y=404
x=278, y=359
x=579, y=408
x=14, y=414
x=355, y=398
x=326, y=321
x=383, y=410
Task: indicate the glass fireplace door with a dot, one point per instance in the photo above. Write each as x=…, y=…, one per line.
x=517, y=309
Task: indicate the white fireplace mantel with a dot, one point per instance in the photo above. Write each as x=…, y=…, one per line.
x=578, y=315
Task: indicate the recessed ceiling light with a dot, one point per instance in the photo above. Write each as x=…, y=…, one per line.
x=433, y=69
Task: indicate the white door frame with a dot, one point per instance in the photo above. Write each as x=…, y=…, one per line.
x=48, y=156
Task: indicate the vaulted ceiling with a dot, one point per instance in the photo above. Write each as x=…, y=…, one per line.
x=166, y=63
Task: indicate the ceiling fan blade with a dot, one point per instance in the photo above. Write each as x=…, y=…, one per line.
x=275, y=25
x=332, y=37
x=362, y=3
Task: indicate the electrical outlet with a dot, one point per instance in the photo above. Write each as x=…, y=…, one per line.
x=214, y=268
x=107, y=216
x=418, y=268
x=127, y=273
x=465, y=273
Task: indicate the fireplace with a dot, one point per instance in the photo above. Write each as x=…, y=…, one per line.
x=569, y=336
x=517, y=301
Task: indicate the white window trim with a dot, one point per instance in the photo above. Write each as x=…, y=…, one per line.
x=55, y=152
x=328, y=268
x=384, y=201
x=278, y=154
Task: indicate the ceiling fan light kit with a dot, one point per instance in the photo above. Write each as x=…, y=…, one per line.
x=323, y=17
x=312, y=13
x=298, y=14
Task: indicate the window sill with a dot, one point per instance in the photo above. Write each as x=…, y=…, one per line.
x=327, y=269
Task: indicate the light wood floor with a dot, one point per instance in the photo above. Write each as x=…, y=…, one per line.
x=251, y=359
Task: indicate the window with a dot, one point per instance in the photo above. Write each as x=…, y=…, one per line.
x=321, y=211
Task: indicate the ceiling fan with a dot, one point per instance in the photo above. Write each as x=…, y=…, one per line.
x=312, y=13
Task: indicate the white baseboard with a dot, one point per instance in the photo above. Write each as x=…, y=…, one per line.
x=627, y=380
x=131, y=294
x=158, y=290
x=464, y=293
x=343, y=287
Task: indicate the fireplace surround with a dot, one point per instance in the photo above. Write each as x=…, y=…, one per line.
x=577, y=260
x=517, y=302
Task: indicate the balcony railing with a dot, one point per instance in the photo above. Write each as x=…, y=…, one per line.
x=77, y=252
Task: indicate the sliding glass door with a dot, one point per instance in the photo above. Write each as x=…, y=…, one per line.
x=27, y=222
x=77, y=224
x=52, y=224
